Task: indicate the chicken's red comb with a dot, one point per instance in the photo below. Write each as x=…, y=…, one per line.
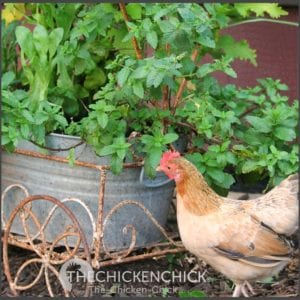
x=169, y=155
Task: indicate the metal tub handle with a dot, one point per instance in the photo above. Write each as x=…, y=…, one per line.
x=153, y=184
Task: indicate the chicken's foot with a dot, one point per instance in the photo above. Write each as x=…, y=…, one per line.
x=250, y=288
x=237, y=290
x=243, y=289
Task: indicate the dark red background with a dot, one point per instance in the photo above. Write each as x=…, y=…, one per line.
x=277, y=54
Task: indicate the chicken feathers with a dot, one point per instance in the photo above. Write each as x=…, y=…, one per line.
x=244, y=240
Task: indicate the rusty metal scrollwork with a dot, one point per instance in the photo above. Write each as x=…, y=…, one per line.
x=131, y=228
x=47, y=257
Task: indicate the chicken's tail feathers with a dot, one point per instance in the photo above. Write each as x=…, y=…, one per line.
x=265, y=262
x=291, y=183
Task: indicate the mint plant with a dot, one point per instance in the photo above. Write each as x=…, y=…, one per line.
x=8, y=52
x=21, y=120
x=129, y=80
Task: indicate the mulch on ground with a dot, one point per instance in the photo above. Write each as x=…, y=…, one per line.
x=286, y=284
x=215, y=284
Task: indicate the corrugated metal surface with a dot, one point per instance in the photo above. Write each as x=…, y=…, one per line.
x=61, y=181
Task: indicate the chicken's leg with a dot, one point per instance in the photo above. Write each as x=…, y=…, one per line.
x=243, y=289
x=250, y=288
x=237, y=290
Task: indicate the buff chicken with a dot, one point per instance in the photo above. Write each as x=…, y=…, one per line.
x=245, y=240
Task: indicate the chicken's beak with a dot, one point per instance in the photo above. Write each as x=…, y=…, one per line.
x=158, y=169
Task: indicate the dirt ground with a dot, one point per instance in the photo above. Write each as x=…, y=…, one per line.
x=210, y=283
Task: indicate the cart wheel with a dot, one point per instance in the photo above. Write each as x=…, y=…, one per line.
x=40, y=268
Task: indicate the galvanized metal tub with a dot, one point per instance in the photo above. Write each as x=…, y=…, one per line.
x=60, y=180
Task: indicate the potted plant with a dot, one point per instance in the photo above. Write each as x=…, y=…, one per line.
x=128, y=80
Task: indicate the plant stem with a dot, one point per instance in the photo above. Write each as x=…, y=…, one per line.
x=166, y=91
x=137, y=50
x=263, y=20
x=183, y=83
x=83, y=104
x=248, y=111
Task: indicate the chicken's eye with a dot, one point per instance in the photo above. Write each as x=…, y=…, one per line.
x=168, y=167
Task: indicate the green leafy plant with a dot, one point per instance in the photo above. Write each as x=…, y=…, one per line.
x=192, y=294
x=9, y=55
x=21, y=120
x=130, y=81
x=253, y=130
x=174, y=260
x=165, y=292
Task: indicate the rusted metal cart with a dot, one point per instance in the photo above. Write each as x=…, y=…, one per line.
x=70, y=241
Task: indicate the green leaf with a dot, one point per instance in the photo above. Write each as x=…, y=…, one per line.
x=25, y=131
x=191, y=294
x=284, y=166
x=84, y=54
x=154, y=78
x=65, y=16
x=285, y=134
x=40, y=39
x=230, y=72
x=7, y=79
x=107, y=150
x=205, y=37
x=170, y=138
x=5, y=140
x=231, y=158
x=259, y=124
x=28, y=116
x=140, y=72
x=127, y=37
x=102, y=119
x=121, y=153
x=147, y=139
x=138, y=89
x=204, y=69
x=116, y=164
x=40, y=118
x=55, y=37
x=221, y=159
x=166, y=26
x=187, y=14
x=154, y=157
x=290, y=122
x=180, y=40
x=214, y=148
x=268, y=280
x=71, y=157
x=24, y=39
x=152, y=39
x=249, y=166
x=165, y=292
x=225, y=146
x=39, y=134
x=216, y=174
x=236, y=49
x=123, y=75
x=227, y=181
x=252, y=137
x=61, y=120
x=134, y=10
x=239, y=147
x=206, y=41
x=188, y=66
x=259, y=9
